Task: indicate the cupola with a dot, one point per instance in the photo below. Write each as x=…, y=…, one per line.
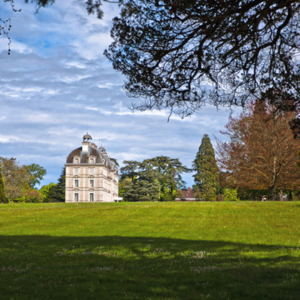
x=86, y=141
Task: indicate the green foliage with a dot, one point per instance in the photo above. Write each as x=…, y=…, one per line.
x=139, y=182
x=46, y=194
x=15, y=178
x=55, y=192
x=60, y=189
x=231, y=195
x=207, y=171
x=32, y=196
x=20, y=200
x=153, y=179
x=3, y=198
x=36, y=174
x=252, y=194
x=168, y=171
x=115, y=161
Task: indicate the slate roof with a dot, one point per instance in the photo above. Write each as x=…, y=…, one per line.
x=100, y=157
x=75, y=152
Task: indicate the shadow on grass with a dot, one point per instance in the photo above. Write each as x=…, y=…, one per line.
x=115, y=267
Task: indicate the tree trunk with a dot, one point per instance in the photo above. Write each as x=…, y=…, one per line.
x=281, y=195
x=273, y=189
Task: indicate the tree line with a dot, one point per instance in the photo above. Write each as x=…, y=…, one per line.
x=18, y=183
x=260, y=158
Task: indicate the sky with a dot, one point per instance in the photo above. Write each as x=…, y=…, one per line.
x=56, y=85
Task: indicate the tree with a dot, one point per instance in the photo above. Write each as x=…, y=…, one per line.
x=36, y=174
x=52, y=193
x=60, y=188
x=115, y=161
x=207, y=171
x=261, y=152
x=45, y=192
x=157, y=178
x=139, y=182
x=15, y=177
x=130, y=170
x=180, y=54
x=231, y=195
x=169, y=172
x=55, y=192
x=2, y=188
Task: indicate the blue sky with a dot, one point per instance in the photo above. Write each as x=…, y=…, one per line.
x=56, y=85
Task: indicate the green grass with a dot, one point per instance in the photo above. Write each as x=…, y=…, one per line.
x=238, y=250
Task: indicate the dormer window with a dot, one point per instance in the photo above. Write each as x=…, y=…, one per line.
x=92, y=160
x=76, y=160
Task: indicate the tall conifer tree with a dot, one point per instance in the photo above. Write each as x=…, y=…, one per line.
x=207, y=171
x=60, y=188
x=2, y=190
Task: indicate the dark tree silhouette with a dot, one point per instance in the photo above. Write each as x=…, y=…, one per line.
x=172, y=51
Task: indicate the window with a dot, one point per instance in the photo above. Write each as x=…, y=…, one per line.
x=91, y=171
x=91, y=160
x=76, y=196
x=91, y=183
x=75, y=171
x=91, y=197
x=76, y=160
x=76, y=183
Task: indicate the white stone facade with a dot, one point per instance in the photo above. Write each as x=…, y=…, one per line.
x=90, y=175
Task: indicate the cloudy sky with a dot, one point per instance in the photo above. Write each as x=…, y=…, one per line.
x=56, y=85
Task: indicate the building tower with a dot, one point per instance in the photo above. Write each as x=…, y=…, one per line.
x=90, y=174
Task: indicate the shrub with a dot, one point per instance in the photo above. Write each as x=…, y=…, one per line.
x=231, y=195
x=34, y=197
x=20, y=200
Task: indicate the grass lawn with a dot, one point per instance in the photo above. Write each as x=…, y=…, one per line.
x=237, y=250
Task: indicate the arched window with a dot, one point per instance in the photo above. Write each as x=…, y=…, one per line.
x=76, y=160
x=92, y=160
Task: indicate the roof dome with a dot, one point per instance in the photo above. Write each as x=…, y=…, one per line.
x=101, y=149
x=87, y=137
